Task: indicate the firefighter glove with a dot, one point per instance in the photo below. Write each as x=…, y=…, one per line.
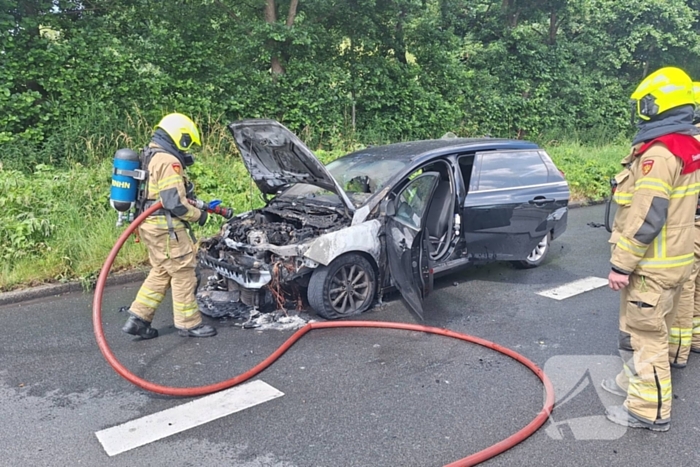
x=203, y=217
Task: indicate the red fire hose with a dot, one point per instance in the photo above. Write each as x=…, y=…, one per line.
x=471, y=460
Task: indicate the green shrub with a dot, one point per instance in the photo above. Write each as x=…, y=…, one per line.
x=588, y=169
x=44, y=212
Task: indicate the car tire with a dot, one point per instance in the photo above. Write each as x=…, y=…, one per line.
x=329, y=285
x=537, y=255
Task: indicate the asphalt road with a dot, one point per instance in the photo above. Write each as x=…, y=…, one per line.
x=353, y=397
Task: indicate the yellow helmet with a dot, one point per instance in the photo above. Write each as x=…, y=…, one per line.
x=696, y=95
x=662, y=90
x=181, y=129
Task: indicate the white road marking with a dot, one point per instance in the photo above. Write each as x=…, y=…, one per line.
x=574, y=288
x=142, y=431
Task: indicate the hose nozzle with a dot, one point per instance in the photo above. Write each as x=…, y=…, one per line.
x=212, y=207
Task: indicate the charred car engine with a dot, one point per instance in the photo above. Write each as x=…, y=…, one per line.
x=258, y=257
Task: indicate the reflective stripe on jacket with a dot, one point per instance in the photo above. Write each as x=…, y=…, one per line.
x=166, y=182
x=653, y=229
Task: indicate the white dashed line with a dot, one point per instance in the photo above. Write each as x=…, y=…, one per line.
x=574, y=288
x=139, y=432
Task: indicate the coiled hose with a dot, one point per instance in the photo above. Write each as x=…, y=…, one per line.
x=471, y=460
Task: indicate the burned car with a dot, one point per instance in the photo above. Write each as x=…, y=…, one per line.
x=338, y=236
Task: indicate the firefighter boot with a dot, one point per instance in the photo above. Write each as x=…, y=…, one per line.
x=612, y=387
x=203, y=330
x=619, y=415
x=138, y=327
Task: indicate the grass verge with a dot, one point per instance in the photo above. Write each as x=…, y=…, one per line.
x=56, y=223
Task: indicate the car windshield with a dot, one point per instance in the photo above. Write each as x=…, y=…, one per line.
x=358, y=174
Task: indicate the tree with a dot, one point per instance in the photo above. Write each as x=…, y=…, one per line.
x=271, y=19
x=374, y=69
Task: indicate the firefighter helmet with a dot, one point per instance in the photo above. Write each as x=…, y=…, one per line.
x=181, y=129
x=696, y=95
x=662, y=90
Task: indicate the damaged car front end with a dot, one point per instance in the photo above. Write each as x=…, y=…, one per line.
x=265, y=258
x=262, y=253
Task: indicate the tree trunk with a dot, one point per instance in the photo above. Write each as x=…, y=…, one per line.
x=553, y=27
x=508, y=9
x=292, y=13
x=399, y=42
x=270, y=12
x=271, y=18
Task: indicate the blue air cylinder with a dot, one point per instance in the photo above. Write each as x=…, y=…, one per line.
x=125, y=186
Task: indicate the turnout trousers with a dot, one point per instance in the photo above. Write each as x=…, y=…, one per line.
x=686, y=327
x=647, y=311
x=685, y=332
x=172, y=266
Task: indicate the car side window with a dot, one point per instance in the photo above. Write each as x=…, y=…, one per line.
x=507, y=169
x=414, y=200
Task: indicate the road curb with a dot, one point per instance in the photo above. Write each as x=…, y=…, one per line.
x=50, y=290
x=583, y=204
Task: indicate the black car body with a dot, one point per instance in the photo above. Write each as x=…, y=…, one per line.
x=381, y=217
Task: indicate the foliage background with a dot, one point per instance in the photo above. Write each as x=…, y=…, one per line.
x=375, y=71
x=81, y=78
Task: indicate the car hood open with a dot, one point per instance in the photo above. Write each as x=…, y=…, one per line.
x=275, y=158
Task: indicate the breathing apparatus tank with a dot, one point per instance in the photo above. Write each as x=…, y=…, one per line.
x=126, y=174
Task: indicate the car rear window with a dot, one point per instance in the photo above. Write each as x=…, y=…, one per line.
x=510, y=169
x=555, y=175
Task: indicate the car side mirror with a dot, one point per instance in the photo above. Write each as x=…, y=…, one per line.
x=388, y=207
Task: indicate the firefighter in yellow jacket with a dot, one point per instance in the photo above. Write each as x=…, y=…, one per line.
x=166, y=233
x=652, y=239
x=684, y=335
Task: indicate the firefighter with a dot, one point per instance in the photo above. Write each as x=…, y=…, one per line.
x=684, y=335
x=652, y=238
x=166, y=233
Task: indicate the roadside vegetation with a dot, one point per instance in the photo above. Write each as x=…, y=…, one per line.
x=56, y=223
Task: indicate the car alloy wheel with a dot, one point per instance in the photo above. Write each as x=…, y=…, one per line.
x=536, y=256
x=343, y=288
x=540, y=250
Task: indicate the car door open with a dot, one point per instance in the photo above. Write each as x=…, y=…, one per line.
x=406, y=242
